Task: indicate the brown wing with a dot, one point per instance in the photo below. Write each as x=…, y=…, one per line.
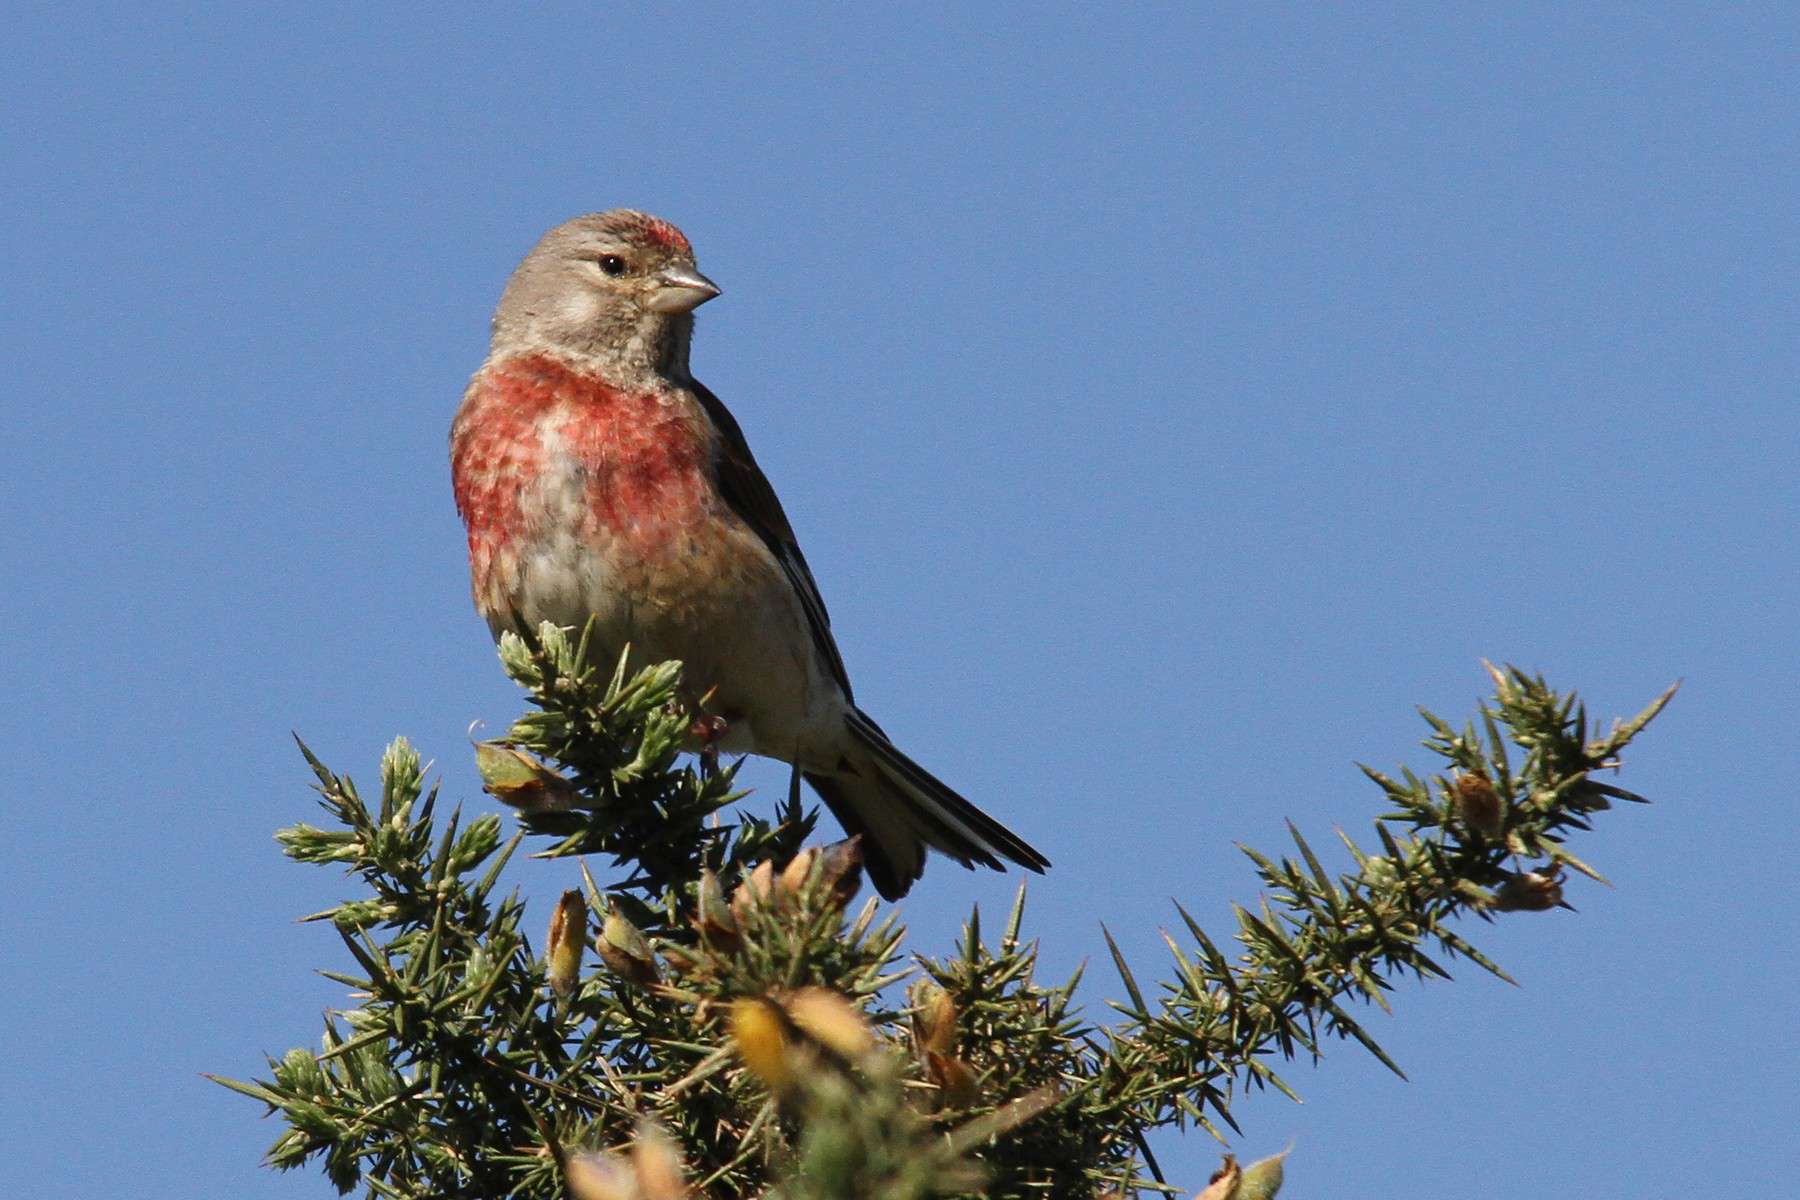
x=747, y=490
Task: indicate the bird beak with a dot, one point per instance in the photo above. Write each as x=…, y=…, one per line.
x=681, y=289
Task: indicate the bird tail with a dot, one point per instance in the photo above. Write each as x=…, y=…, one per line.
x=900, y=808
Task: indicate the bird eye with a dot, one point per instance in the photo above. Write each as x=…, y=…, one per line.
x=612, y=264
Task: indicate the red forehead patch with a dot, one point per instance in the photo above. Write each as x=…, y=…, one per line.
x=640, y=228
x=666, y=235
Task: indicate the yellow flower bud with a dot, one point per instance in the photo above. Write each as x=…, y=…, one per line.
x=594, y=1176
x=793, y=876
x=832, y=1021
x=759, y=1035
x=660, y=1172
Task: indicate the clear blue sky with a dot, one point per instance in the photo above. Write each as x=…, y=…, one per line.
x=1167, y=403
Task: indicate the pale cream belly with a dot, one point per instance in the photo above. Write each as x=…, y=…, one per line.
x=722, y=607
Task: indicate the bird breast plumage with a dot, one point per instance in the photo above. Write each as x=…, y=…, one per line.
x=586, y=501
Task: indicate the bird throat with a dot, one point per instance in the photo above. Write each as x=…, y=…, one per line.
x=657, y=347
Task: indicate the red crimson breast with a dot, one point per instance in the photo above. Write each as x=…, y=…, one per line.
x=642, y=458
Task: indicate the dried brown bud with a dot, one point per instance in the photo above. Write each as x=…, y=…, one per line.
x=832, y=1021
x=1224, y=1184
x=953, y=1077
x=568, y=933
x=514, y=777
x=840, y=868
x=837, y=868
x=712, y=915
x=756, y=889
x=1532, y=891
x=681, y=960
x=1479, y=805
x=934, y=1017
x=622, y=947
x=707, y=729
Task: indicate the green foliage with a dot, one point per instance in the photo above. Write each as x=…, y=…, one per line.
x=742, y=1028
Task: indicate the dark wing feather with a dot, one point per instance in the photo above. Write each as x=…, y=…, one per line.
x=747, y=491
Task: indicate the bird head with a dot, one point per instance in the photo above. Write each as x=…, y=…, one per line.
x=619, y=287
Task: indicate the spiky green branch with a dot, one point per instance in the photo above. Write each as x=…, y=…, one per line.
x=747, y=1033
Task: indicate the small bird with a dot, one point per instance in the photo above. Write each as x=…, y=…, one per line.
x=600, y=481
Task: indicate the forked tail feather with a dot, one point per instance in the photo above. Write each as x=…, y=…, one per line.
x=900, y=808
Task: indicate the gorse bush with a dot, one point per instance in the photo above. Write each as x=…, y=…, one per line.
x=711, y=1013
